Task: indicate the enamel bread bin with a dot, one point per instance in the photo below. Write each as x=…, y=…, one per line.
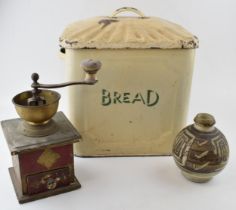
x=141, y=99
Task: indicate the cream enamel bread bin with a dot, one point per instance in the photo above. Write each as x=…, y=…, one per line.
x=141, y=99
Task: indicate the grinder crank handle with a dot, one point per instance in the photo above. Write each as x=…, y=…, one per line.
x=89, y=66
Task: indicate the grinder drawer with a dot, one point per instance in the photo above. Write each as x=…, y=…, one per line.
x=49, y=180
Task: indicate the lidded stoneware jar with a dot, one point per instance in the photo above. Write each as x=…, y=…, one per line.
x=141, y=100
x=200, y=150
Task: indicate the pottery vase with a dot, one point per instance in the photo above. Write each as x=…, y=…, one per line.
x=200, y=150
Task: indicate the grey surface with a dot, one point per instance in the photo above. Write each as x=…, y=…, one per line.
x=17, y=142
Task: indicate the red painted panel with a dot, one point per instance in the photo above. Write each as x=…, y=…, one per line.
x=30, y=164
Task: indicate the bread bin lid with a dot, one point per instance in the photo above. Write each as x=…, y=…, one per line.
x=117, y=32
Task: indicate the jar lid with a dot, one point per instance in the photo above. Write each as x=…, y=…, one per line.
x=117, y=32
x=204, y=120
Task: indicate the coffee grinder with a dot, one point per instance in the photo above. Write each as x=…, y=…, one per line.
x=41, y=140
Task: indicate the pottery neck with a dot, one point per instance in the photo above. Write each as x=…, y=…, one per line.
x=204, y=122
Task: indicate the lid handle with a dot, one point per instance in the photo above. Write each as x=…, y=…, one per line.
x=127, y=9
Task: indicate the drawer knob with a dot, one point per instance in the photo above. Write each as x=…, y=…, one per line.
x=51, y=183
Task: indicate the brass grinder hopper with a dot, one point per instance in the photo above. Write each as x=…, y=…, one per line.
x=37, y=106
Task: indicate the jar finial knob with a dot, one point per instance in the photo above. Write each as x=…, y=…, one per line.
x=204, y=120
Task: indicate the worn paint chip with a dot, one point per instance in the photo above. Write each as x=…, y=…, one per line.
x=106, y=22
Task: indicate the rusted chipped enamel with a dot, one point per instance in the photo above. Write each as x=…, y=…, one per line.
x=120, y=32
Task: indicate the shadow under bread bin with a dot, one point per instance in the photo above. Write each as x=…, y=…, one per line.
x=141, y=101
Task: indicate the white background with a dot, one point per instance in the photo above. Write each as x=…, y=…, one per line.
x=29, y=32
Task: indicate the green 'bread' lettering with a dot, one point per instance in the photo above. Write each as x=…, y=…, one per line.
x=117, y=97
x=126, y=98
x=138, y=97
x=106, y=97
x=149, y=97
